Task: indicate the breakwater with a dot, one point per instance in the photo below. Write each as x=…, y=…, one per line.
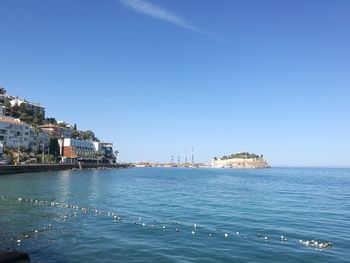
x=29, y=168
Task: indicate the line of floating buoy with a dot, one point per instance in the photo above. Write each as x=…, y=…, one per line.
x=316, y=244
x=139, y=221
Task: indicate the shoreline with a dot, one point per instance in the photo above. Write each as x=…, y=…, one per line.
x=31, y=168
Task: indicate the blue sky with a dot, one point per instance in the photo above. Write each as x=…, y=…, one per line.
x=156, y=77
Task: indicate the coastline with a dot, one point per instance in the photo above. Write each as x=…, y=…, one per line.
x=31, y=168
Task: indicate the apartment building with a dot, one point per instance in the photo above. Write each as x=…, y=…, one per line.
x=36, y=108
x=14, y=133
x=75, y=149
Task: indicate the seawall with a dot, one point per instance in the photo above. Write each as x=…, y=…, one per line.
x=30, y=168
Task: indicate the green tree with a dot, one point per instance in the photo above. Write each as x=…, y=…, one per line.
x=15, y=111
x=46, y=158
x=75, y=134
x=62, y=124
x=50, y=121
x=89, y=135
x=38, y=119
x=37, y=132
x=8, y=108
x=54, y=147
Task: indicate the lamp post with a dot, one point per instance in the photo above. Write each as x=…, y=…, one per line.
x=17, y=151
x=43, y=154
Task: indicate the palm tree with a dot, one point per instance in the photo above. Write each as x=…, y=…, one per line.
x=37, y=132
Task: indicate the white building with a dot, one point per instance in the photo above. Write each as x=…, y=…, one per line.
x=74, y=149
x=34, y=107
x=16, y=134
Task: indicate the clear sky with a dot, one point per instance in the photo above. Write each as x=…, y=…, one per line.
x=158, y=76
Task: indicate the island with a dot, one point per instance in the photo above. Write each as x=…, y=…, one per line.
x=240, y=160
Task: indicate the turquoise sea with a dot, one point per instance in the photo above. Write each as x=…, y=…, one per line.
x=177, y=215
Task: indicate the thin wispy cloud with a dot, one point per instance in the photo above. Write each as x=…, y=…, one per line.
x=158, y=12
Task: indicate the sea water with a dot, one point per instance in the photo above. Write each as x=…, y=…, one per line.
x=177, y=215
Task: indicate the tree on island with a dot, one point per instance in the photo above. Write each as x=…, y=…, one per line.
x=242, y=155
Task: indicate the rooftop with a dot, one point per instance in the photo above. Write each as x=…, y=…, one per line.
x=11, y=120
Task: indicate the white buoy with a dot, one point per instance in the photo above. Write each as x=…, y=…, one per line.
x=226, y=235
x=237, y=233
x=143, y=224
x=195, y=226
x=193, y=232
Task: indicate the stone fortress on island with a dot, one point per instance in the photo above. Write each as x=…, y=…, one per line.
x=240, y=160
